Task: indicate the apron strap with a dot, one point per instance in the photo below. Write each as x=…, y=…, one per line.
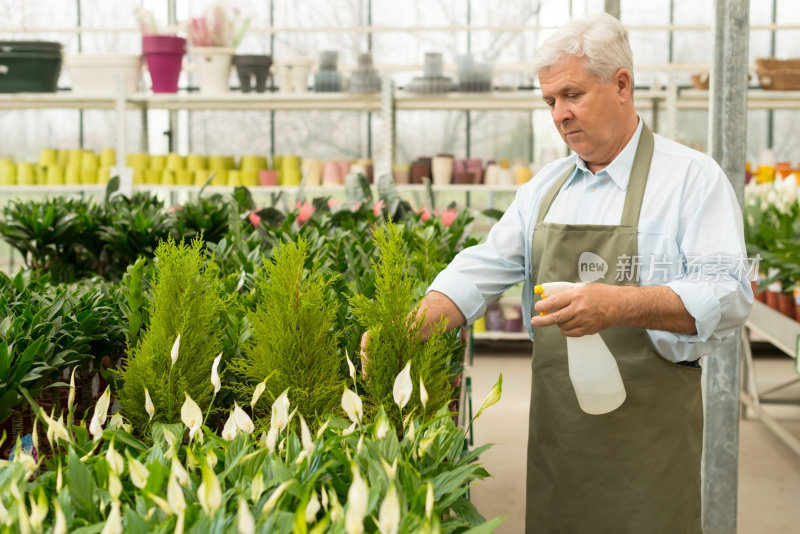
x=551, y=195
x=638, y=178
x=636, y=182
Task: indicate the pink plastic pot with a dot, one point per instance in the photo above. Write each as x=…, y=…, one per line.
x=164, y=56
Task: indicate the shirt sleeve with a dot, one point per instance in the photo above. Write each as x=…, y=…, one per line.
x=714, y=284
x=478, y=275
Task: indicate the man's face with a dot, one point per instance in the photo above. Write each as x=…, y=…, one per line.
x=587, y=112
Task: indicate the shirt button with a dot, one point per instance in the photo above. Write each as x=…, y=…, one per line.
x=593, y=189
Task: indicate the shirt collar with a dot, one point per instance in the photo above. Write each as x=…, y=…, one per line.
x=619, y=170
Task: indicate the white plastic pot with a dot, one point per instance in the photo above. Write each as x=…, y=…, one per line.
x=213, y=66
x=98, y=74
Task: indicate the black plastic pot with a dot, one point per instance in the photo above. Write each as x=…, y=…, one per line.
x=253, y=67
x=29, y=66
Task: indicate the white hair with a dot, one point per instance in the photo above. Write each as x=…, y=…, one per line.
x=600, y=39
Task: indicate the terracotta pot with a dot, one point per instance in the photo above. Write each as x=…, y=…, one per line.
x=797, y=312
x=786, y=305
x=759, y=295
x=772, y=299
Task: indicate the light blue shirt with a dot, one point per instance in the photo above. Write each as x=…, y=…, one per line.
x=690, y=238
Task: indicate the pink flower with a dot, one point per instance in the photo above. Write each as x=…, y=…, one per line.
x=377, y=208
x=332, y=203
x=175, y=208
x=449, y=216
x=425, y=214
x=255, y=220
x=356, y=207
x=305, y=213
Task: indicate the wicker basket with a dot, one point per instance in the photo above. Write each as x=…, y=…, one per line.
x=700, y=80
x=778, y=74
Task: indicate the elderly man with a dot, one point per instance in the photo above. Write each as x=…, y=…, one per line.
x=661, y=226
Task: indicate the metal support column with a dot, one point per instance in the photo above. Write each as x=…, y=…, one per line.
x=612, y=7
x=727, y=141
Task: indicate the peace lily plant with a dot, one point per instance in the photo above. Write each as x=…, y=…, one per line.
x=362, y=478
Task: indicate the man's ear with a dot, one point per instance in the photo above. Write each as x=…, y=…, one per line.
x=624, y=84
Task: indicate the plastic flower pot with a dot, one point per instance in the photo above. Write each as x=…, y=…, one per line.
x=29, y=66
x=99, y=74
x=164, y=56
x=213, y=67
x=253, y=71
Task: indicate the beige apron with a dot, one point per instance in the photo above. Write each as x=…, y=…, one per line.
x=635, y=470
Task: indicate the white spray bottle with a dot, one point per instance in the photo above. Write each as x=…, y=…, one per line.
x=592, y=368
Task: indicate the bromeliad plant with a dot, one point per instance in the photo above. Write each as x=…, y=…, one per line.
x=369, y=478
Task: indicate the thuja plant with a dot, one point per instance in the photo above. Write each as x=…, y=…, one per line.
x=175, y=353
x=394, y=327
x=293, y=345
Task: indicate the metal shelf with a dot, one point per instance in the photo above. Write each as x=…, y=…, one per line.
x=784, y=333
x=756, y=99
x=55, y=101
x=263, y=101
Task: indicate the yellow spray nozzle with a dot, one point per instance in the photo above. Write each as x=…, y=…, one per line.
x=538, y=289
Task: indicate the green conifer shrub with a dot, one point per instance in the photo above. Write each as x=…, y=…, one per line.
x=294, y=342
x=185, y=300
x=390, y=318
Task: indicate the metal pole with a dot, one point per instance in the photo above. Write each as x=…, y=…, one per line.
x=612, y=7
x=771, y=112
x=727, y=143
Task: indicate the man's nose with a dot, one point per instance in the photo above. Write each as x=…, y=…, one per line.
x=561, y=111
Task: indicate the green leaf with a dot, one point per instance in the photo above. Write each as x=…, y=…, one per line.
x=81, y=487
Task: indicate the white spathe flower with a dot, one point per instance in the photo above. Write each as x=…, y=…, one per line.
x=192, y=417
x=323, y=428
x=324, y=499
x=349, y=430
x=383, y=428
x=175, y=498
x=423, y=393
x=273, y=499
x=22, y=517
x=243, y=420
x=176, y=347
x=230, y=430
x=55, y=429
x=115, y=461
x=245, y=523
x=312, y=508
x=180, y=473
x=117, y=422
x=429, y=501
x=257, y=392
x=390, y=470
x=357, y=501
x=4, y=514
x=360, y=444
x=138, y=472
x=411, y=434
x=403, y=388
x=300, y=457
x=100, y=413
x=492, y=397
x=389, y=513
x=352, y=405
x=114, y=520
x=256, y=487
x=351, y=368
x=215, y=374
x=148, y=404
x=38, y=510
x=336, y=509
x=60, y=526
x=272, y=439
x=71, y=397
x=211, y=459
x=280, y=412
x=305, y=437
x=209, y=493
x=114, y=485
